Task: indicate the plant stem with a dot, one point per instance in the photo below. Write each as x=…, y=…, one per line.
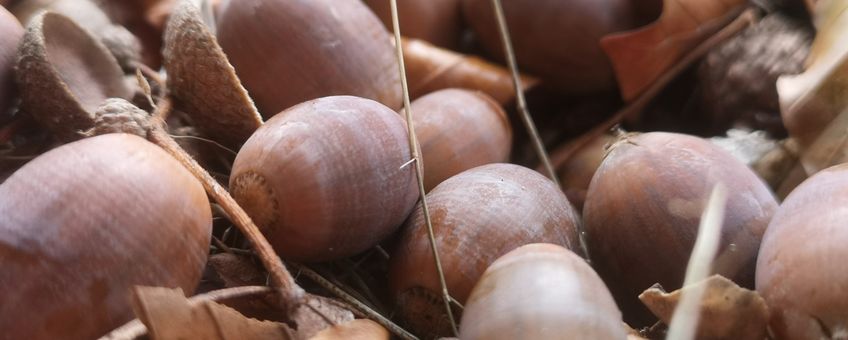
x=520, y=102
x=292, y=294
x=419, y=169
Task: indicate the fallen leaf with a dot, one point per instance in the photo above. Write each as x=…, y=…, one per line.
x=359, y=329
x=813, y=103
x=641, y=56
x=431, y=68
x=236, y=270
x=168, y=314
x=319, y=313
x=727, y=311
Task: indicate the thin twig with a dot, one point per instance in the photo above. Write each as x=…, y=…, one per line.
x=292, y=294
x=520, y=102
x=150, y=73
x=205, y=140
x=684, y=321
x=419, y=170
x=326, y=284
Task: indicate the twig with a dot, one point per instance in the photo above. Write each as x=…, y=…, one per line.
x=684, y=321
x=520, y=102
x=326, y=284
x=419, y=170
x=206, y=141
x=292, y=294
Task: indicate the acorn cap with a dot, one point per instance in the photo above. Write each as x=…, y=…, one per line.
x=202, y=81
x=64, y=74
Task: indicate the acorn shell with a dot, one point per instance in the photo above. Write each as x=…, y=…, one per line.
x=323, y=180
x=9, y=40
x=801, y=269
x=203, y=82
x=288, y=52
x=540, y=291
x=84, y=223
x=478, y=215
x=64, y=74
x=459, y=130
x=643, y=209
x=554, y=39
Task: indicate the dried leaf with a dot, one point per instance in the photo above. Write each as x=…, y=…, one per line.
x=359, y=329
x=643, y=55
x=431, y=68
x=727, y=311
x=317, y=314
x=168, y=314
x=235, y=270
x=813, y=103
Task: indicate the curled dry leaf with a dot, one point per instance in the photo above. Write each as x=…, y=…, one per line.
x=641, y=56
x=359, y=329
x=431, y=68
x=64, y=74
x=169, y=315
x=202, y=81
x=727, y=310
x=812, y=103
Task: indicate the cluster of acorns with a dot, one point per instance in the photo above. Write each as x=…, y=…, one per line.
x=328, y=174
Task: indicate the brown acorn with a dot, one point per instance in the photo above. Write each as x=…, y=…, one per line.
x=64, y=74
x=478, y=216
x=288, y=52
x=541, y=291
x=643, y=209
x=801, y=269
x=324, y=179
x=459, y=130
x=84, y=223
x=9, y=40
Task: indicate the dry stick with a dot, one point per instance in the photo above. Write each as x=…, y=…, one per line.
x=521, y=103
x=636, y=106
x=419, y=170
x=292, y=294
x=134, y=329
x=684, y=321
x=326, y=284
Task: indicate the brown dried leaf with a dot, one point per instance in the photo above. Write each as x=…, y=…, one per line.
x=727, y=311
x=431, y=68
x=643, y=55
x=168, y=314
x=317, y=314
x=359, y=329
x=235, y=270
x=813, y=103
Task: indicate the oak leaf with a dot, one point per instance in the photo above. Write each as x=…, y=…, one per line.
x=641, y=56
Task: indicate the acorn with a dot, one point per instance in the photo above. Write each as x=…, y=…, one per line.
x=459, y=130
x=801, y=271
x=288, y=52
x=540, y=291
x=556, y=40
x=9, y=40
x=478, y=216
x=438, y=22
x=324, y=179
x=576, y=172
x=86, y=222
x=643, y=209
x=64, y=74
